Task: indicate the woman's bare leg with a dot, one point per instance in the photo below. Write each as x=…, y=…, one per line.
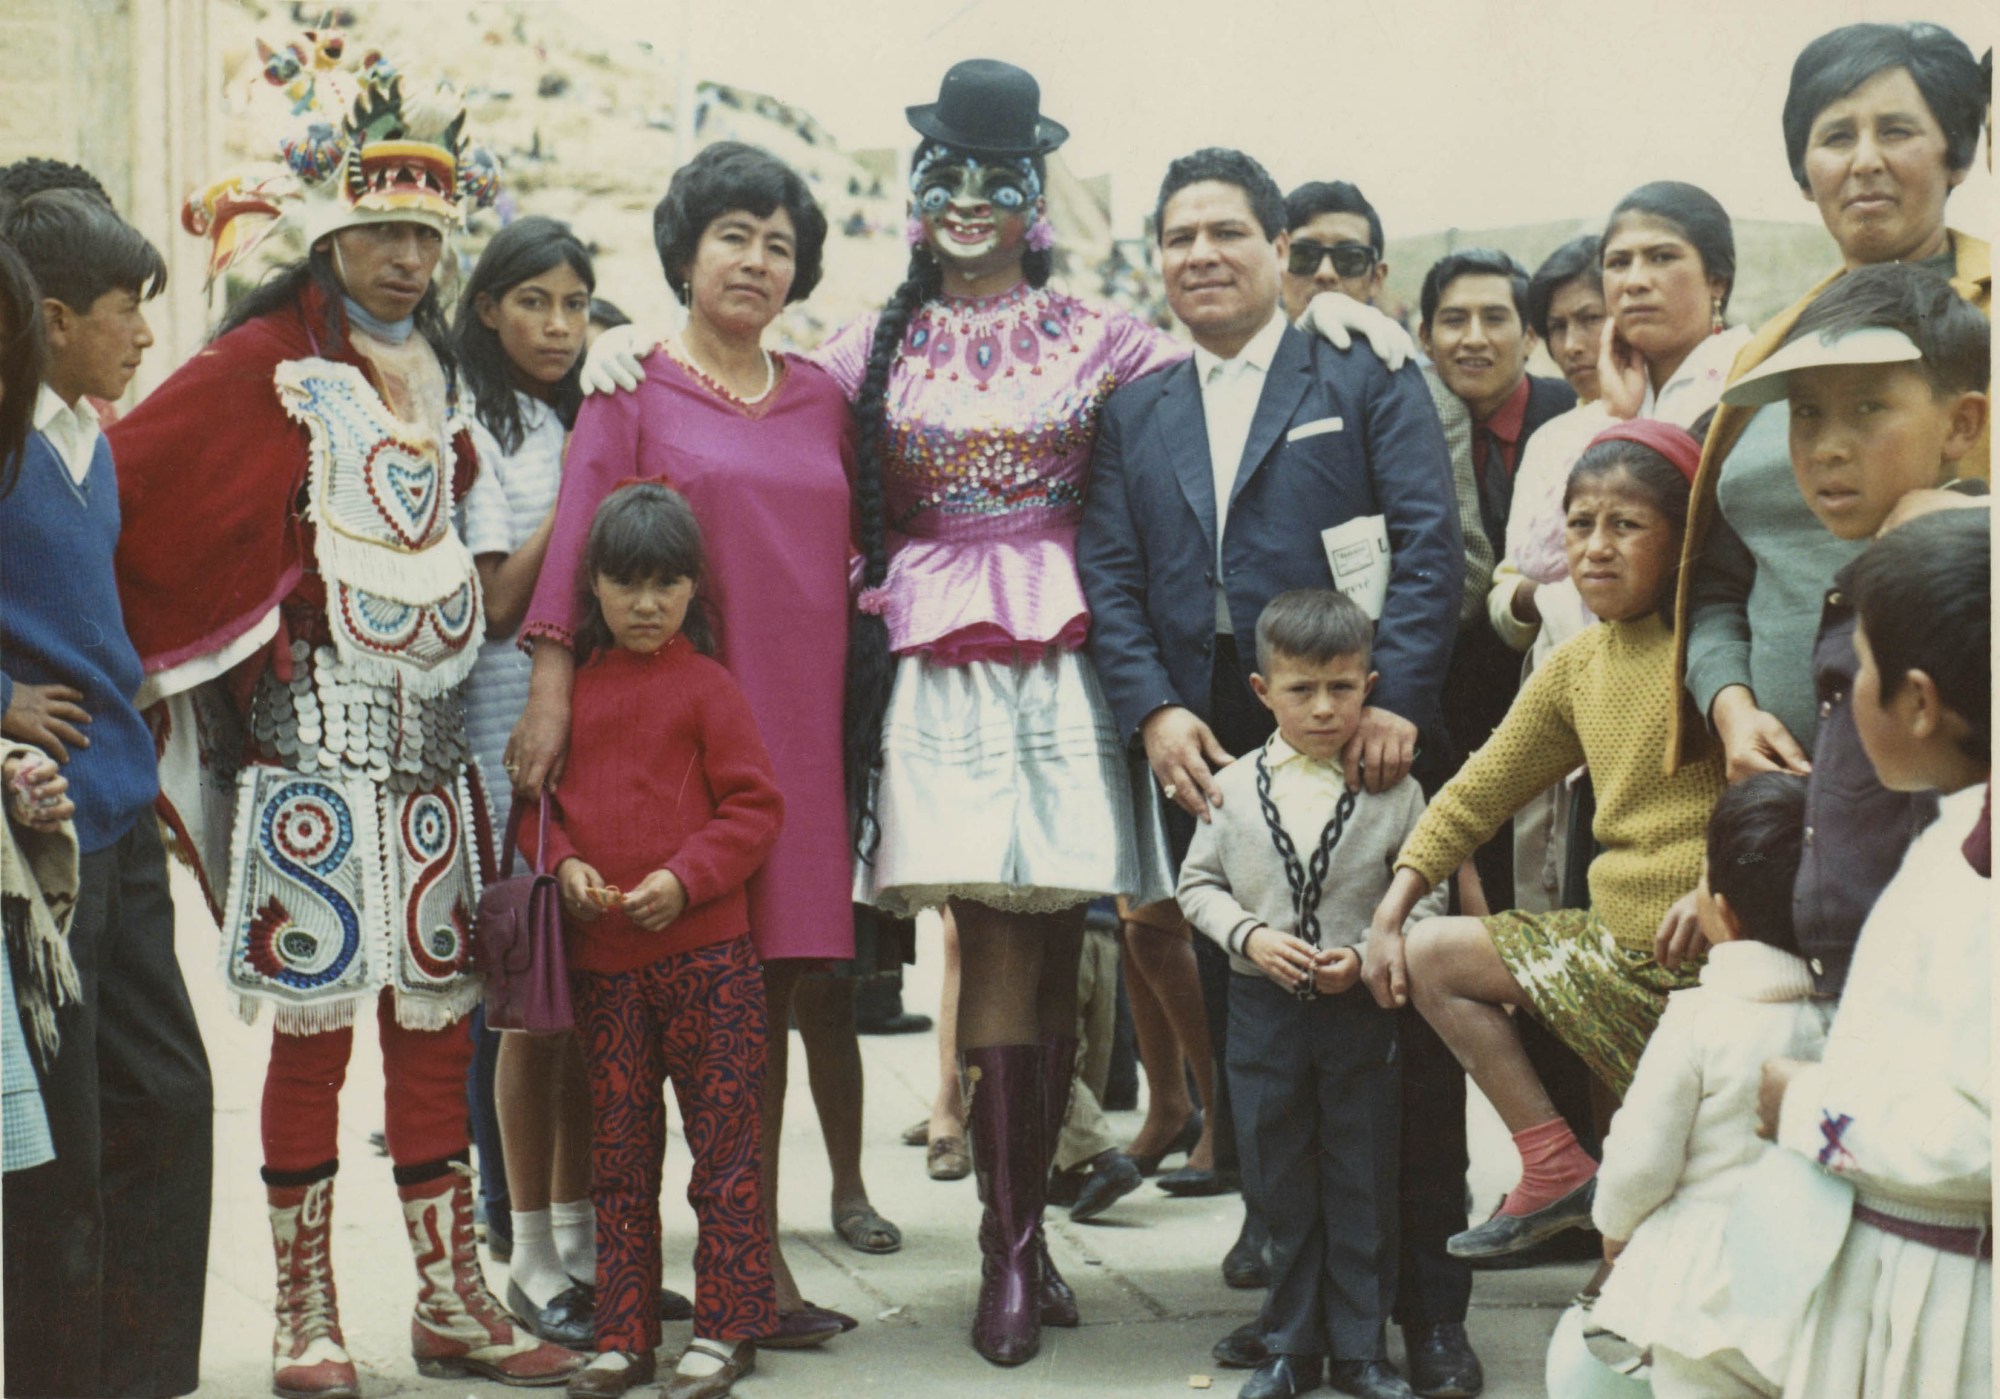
x=825, y=1009
x=948, y=1108
x=1460, y=984
x=1168, y=1022
x=781, y=983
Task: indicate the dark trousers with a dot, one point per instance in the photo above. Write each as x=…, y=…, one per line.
x=1435, y=1287
x=1317, y=1091
x=696, y=1018
x=106, y=1247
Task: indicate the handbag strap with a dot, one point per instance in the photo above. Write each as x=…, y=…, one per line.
x=516, y=813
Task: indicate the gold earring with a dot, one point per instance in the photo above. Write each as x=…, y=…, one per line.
x=1715, y=317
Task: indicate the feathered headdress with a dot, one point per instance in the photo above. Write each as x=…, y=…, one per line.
x=388, y=158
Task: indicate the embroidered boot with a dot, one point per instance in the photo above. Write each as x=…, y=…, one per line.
x=459, y=1328
x=1058, y=1301
x=309, y=1357
x=1004, y=1116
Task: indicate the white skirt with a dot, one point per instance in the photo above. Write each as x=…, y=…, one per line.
x=1004, y=782
x=1896, y=1319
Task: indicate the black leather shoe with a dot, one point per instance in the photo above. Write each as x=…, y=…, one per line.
x=1570, y=1246
x=1441, y=1362
x=1241, y=1349
x=1512, y=1233
x=674, y=1307
x=1281, y=1377
x=1112, y=1178
x=1185, y=1140
x=1189, y=1183
x=568, y=1319
x=1243, y=1266
x=1368, y=1379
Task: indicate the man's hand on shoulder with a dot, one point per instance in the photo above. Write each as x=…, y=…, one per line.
x=612, y=365
x=1381, y=751
x=1337, y=319
x=1184, y=755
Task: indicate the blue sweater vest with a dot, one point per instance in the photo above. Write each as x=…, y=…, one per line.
x=61, y=624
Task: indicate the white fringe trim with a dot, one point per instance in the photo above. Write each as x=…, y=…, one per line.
x=908, y=900
x=314, y=1019
x=433, y=1011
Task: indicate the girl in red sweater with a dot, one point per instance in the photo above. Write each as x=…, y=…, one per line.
x=667, y=806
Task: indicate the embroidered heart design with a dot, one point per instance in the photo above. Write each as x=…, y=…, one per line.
x=404, y=487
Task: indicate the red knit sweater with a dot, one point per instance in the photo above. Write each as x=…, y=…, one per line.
x=666, y=771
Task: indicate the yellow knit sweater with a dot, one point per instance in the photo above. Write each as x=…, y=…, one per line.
x=1605, y=697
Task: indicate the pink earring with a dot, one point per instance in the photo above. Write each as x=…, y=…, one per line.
x=913, y=232
x=1042, y=236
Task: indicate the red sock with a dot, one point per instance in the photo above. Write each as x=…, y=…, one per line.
x=1552, y=1165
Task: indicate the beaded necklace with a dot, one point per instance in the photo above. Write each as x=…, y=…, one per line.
x=1308, y=883
x=684, y=357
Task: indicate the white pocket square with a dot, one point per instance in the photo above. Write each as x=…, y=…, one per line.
x=1314, y=429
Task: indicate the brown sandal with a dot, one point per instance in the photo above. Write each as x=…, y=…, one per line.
x=947, y=1159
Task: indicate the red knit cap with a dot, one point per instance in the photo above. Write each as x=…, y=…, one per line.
x=1673, y=443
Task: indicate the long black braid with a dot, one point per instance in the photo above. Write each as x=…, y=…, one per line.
x=871, y=669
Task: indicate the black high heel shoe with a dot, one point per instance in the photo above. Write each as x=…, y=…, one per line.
x=1184, y=1140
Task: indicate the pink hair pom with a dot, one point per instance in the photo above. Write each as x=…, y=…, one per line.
x=872, y=601
x=1042, y=236
x=913, y=232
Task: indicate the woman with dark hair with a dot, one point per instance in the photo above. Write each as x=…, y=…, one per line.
x=519, y=335
x=307, y=615
x=1881, y=123
x=24, y=356
x=758, y=443
x=1669, y=263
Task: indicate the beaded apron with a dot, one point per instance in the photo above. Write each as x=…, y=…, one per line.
x=351, y=863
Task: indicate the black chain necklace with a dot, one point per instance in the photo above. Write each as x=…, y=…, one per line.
x=1308, y=882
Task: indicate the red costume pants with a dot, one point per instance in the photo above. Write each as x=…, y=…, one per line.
x=424, y=1092
x=696, y=1018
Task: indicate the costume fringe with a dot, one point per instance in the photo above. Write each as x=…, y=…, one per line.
x=317, y=1018
x=435, y=1012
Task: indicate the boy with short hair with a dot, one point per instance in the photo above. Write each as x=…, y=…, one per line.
x=105, y=1248
x=1886, y=375
x=1286, y=876
x=1901, y=1103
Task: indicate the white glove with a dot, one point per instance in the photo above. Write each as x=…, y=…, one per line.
x=1333, y=317
x=613, y=362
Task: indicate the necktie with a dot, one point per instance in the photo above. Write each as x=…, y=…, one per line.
x=1496, y=492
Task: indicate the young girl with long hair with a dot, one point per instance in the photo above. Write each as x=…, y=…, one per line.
x=666, y=807
x=1589, y=974
x=518, y=335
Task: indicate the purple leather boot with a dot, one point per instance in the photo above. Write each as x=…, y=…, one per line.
x=1058, y=1074
x=1004, y=1116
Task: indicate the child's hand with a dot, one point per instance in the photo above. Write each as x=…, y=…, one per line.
x=658, y=901
x=47, y=716
x=1777, y=1077
x=579, y=884
x=1335, y=969
x=35, y=793
x=1286, y=960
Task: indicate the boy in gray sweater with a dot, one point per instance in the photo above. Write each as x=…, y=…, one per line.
x=1285, y=876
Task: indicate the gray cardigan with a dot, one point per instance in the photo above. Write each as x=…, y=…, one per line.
x=1233, y=881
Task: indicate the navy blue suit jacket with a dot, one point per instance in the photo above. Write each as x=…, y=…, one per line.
x=1147, y=554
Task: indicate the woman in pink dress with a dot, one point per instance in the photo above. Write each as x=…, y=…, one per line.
x=759, y=445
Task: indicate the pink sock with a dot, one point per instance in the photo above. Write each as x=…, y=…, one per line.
x=1552, y=1165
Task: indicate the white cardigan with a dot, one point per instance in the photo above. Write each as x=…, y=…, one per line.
x=1681, y=1144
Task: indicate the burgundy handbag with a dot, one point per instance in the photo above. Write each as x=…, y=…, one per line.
x=519, y=934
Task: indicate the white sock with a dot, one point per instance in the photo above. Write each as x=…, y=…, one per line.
x=536, y=1266
x=698, y=1364
x=615, y=1360
x=575, y=1226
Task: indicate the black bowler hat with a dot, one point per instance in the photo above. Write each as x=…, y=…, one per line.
x=989, y=107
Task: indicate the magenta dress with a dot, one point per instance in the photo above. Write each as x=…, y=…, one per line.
x=769, y=484
x=1003, y=779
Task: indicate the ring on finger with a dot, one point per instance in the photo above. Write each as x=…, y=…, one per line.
x=1170, y=790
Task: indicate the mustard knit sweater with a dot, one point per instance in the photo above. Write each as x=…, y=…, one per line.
x=1605, y=698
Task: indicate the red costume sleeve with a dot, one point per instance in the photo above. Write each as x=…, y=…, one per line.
x=209, y=472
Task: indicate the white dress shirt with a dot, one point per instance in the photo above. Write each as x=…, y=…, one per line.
x=1230, y=390
x=73, y=432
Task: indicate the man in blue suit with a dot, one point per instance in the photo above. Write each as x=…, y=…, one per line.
x=1213, y=486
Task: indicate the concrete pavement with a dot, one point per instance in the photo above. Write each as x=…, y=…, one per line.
x=1146, y=1273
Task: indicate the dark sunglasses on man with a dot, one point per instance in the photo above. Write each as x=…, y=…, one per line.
x=1349, y=259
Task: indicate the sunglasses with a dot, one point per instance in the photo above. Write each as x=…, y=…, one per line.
x=1349, y=259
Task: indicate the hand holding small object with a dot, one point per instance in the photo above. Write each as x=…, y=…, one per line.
x=1335, y=969
x=36, y=793
x=657, y=902
x=581, y=887
x=1286, y=960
